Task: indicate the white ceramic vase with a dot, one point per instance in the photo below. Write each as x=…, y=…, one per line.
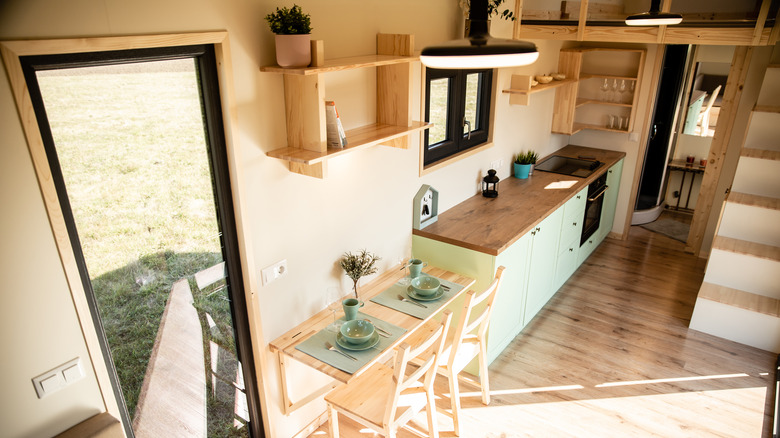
x=293, y=50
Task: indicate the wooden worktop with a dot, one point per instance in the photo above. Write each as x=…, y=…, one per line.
x=492, y=225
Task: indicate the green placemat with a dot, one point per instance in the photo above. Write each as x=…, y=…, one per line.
x=389, y=298
x=315, y=346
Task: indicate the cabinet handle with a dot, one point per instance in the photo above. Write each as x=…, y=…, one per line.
x=574, y=224
x=578, y=197
x=571, y=249
x=533, y=233
x=538, y=229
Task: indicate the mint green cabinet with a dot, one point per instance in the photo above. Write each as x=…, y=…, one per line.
x=541, y=268
x=507, y=319
x=610, y=200
x=569, y=245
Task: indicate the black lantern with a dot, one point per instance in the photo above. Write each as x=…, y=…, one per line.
x=490, y=185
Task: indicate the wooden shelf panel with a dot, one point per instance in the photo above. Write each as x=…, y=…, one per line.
x=767, y=108
x=739, y=298
x=600, y=76
x=580, y=126
x=340, y=64
x=541, y=87
x=358, y=138
x=581, y=102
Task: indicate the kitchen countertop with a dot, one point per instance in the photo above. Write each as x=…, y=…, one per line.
x=492, y=225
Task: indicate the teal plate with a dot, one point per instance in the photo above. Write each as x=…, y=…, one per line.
x=415, y=296
x=372, y=341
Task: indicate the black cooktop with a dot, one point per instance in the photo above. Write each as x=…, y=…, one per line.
x=579, y=167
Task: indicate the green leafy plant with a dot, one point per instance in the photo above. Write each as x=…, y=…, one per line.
x=290, y=21
x=529, y=157
x=358, y=265
x=493, y=9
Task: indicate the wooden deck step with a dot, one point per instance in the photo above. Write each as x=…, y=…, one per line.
x=739, y=298
x=754, y=249
x=754, y=200
x=764, y=154
x=767, y=108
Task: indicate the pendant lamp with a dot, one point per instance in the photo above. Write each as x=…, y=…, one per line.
x=479, y=49
x=654, y=17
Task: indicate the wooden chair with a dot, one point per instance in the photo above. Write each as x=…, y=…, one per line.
x=470, y=341
x=385, y=398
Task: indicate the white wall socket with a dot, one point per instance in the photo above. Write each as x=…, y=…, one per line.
x=277, y=270
x=58, y=378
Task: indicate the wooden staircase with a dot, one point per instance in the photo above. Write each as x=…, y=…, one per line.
x=740, y=296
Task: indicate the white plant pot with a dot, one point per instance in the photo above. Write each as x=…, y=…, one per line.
x=293, y=50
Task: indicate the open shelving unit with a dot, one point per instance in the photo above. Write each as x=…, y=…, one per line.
x=304, y=100
x=588, y=65
x=520, y=88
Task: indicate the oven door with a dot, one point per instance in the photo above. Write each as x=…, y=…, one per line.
x=593, y=212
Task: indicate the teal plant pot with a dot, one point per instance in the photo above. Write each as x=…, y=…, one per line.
x=521, y=170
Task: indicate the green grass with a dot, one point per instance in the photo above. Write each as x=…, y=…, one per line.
x=131, y=145
x=439, y=106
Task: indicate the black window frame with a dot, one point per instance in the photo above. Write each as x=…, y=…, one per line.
x=456, y=141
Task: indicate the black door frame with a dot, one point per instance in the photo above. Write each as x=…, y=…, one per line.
x=212, y=109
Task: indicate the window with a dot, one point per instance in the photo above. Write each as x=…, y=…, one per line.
x=458, y=104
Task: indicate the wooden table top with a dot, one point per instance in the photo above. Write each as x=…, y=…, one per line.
x=286, y=343
x=492, y=225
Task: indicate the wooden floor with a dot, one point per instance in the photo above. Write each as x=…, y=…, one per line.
x=611, y=355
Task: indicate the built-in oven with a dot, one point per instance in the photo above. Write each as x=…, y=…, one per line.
x=593, y=206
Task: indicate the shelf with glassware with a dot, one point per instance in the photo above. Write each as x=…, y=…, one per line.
x=605, y=92
x=304, y=97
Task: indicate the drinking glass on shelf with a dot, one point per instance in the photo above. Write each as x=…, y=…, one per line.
x=611, y=121
x=623, y=123
x=604, y=88
x=405, y=281
x=622, y=90
x=333, y=297
x=631, y=87
x=614, y=86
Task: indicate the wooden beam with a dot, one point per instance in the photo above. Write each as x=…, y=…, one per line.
x=712, y=173
x=518, y=19
x=762, y=14
x=583, y=20
x=773, y=36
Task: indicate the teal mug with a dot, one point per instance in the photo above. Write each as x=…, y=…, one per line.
x=415, y=267
x=351, y=306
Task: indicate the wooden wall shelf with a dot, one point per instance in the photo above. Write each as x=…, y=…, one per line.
x=304, y=100
x=582, y=102
x=521, y=88
x=359, y=138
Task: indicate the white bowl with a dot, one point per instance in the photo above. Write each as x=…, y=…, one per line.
x=559, y=76
x=544, y=79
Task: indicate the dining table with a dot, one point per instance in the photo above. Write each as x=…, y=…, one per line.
x=388, y=305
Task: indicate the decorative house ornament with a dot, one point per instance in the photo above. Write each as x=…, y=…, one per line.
x=490, y=185
x=425, y=208
x=479, y=49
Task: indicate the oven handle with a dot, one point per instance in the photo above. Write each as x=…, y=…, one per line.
x=601, y=193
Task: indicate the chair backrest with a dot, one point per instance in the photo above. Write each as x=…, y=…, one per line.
x=471, y=319
x=428, y=353
x=712, y=98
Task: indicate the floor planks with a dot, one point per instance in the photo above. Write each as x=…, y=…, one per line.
x=611, y=355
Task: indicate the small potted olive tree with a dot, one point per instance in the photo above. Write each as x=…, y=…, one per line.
x=293, y=36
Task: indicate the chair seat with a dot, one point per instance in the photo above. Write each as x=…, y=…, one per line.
x=366, y=396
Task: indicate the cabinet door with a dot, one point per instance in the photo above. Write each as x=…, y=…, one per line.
x=541, y=271
x=507, y=318
x=610, y=199
x=567, y=263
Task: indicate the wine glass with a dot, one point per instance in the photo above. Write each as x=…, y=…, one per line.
x=614, y=86
x=622, y=90
x=405, y=281
x=333, y=297
x=604, y=88
x=631, y=87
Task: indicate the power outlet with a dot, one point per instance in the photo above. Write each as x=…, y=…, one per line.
x=495, y=165
x=275, y=271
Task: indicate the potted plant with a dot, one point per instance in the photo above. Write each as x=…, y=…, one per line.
x=293, y=36
x=523, y=163
x=358, y=265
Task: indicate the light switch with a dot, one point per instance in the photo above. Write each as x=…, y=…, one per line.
x=58, y=378
x=72, y=373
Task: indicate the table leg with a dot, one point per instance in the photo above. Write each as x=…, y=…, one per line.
x=289, y=405
x=690, y=189
x=682, y=181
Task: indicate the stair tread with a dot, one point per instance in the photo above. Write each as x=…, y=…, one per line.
x=767, y=108
x=765, y=154
x=746, y=247
x=739, y=298
x=767, y=202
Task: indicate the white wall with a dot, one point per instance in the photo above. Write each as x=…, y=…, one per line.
x=364, y=203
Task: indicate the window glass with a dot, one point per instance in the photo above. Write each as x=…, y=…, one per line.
x=472, y=97
x=439, y=103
